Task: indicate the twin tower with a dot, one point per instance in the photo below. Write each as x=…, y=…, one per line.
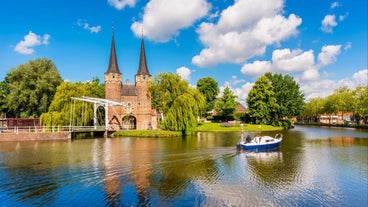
x=136, y=112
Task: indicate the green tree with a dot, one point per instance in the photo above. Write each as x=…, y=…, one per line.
x=209, y=88
x=28, y=89
x=180, y=104
x=60, y=113
x=261, y=100
x=331, y=106
x=313, y=109
x=344, y=100
x=288, y=95
x=3, y=93
x=226, y=105
x=360, y=103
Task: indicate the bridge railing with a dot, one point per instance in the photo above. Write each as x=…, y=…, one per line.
x=38, y=129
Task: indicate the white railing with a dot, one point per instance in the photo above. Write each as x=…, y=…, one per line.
x=38, y=129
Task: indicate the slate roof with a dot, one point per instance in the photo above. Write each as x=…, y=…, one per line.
x=142, y=68
x=113, y=62
x=128, y=90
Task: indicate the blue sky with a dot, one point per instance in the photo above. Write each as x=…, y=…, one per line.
x=321, y=43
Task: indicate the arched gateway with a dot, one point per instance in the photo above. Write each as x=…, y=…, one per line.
x=129, y=122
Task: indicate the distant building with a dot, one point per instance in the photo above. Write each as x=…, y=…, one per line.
x=137, y=112
x=337, y=118
x=239, y=109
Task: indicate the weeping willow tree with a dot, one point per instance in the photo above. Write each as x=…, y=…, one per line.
x=180, y=104
x=63, y=110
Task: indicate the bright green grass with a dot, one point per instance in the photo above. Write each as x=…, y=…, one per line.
x=146, y=133
x=208, y=127
x=216, y=127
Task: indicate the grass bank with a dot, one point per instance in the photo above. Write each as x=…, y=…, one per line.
x=208, y=127
x=217, y=127
x=146, y=133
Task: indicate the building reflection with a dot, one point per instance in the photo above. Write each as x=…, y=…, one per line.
x=142, y=159
x=127, y=166
x=111, y=163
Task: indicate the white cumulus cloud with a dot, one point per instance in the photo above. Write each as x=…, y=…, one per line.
x=295, y=61
x=121, y=4
x=343, y=17
x=328, y=54
x=361, y=77
x=162, y=19
x=244, y=30
x=328, y=23
x=335, y=5
x=323, y=86
x=30, y=41
x=184, y=73
x=93, y=29
x=256, y=68
x=286, y=60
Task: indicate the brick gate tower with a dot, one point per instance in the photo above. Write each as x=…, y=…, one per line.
x=137, y=112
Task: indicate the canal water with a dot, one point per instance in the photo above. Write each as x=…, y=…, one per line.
x=314, y=167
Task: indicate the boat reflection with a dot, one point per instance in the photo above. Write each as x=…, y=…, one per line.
x=270, y=168
x=264, y=157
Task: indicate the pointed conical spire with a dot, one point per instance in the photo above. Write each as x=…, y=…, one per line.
x=142, y=69
x=113, y=63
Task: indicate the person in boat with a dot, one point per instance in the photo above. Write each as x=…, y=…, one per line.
x=258, y=138
x=248, y=139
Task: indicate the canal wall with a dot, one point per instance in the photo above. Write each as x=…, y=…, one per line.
x=32, y=136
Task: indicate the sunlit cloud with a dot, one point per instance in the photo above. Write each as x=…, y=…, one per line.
x=30, y=41
x=121, y=4
x=93, y=29
x=328, y=23
x=184, y=73
x=244, y=30
x=163, y=19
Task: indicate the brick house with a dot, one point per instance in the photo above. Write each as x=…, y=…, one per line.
x=336, y=118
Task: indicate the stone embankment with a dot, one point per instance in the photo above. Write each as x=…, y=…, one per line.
x=32, y=136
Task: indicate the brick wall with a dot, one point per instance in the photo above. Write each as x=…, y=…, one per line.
x=34, y=136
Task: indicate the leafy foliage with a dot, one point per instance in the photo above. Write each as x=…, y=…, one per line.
x=342, y=100
x=360, y=103
x=261, y=100
x=312, y=109
x=288, y=96
x=28, y=89
x=226, y=105
x=179, y=103
x=62, y=108
x=209, y=88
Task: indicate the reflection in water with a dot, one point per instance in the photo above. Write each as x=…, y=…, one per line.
x=127, y=166
x=340, y=141
x=203, y=170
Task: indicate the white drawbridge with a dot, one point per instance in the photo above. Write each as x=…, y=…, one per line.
x=97, y=102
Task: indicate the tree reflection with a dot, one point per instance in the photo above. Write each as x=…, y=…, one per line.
x=29, y=176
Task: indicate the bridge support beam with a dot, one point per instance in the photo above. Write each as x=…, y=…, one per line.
x=97, y=102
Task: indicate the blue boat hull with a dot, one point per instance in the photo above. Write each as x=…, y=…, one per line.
x=259, y=146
